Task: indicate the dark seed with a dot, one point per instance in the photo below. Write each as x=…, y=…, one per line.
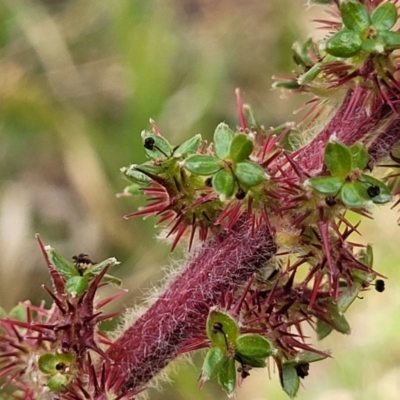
x=208, y=182
x=302, y=370
x=149, y=143
x=380, y=285
x=330, y=201
x=240, y=194
x=373, y=191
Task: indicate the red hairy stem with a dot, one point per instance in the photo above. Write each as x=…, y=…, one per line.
x=224, y=262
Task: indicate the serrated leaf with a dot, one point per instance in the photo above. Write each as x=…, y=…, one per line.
x=344, y=44
x=64, y=267
x=354, y=195
x=160, y=148
x=290, y=381
x=223, y=183
x=323, y=330
x=249, y=173
x=384, y=17
x=223, y=137
x=227, y=375
x=189, y=147
x=241, y=148
x=355, y=16
x=202, y=164
x=329, y=185
x=77, y=285
x=222, y=329
x=384, y=195
x=212, y=362
x=251, y=345
x=359, y=155
x=338, y=159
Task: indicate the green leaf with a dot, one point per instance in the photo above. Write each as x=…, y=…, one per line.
x=355, y=16
x=354, y=195
x=202, y=164
x=310, y=75
x=222, y=329
x=57, y=382
x=156, y=146
x=223, y=137
x=189, y=147
x=344, y=44
x=64, y=267
x=213, y=361
x=77, y=285
x=391, y=39
x=249, y=173
x=227, y=375
x=338, y=159
x=359, y=155
x=323, y=329
x=384, y=195
x=325, y=184
x=241, y=148
x=384, y=17
x=252, y=345
x=223, y=183
x=290, y=381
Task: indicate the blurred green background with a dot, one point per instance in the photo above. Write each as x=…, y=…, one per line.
x=79, y=80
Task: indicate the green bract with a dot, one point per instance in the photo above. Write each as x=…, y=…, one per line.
x=227, y=375
x=384, y=17
x=212, y=363
x=230, y=166
x=77, y=285
x=222, y=329
x=241, y=148
x=290, y=381
x=223, y=137
x=249, y=173
x=189, y=147
x=160, y=147
x=355, y=189
x=338, y=159
x=202, y=164
x=362, y=32
x=224, y=183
